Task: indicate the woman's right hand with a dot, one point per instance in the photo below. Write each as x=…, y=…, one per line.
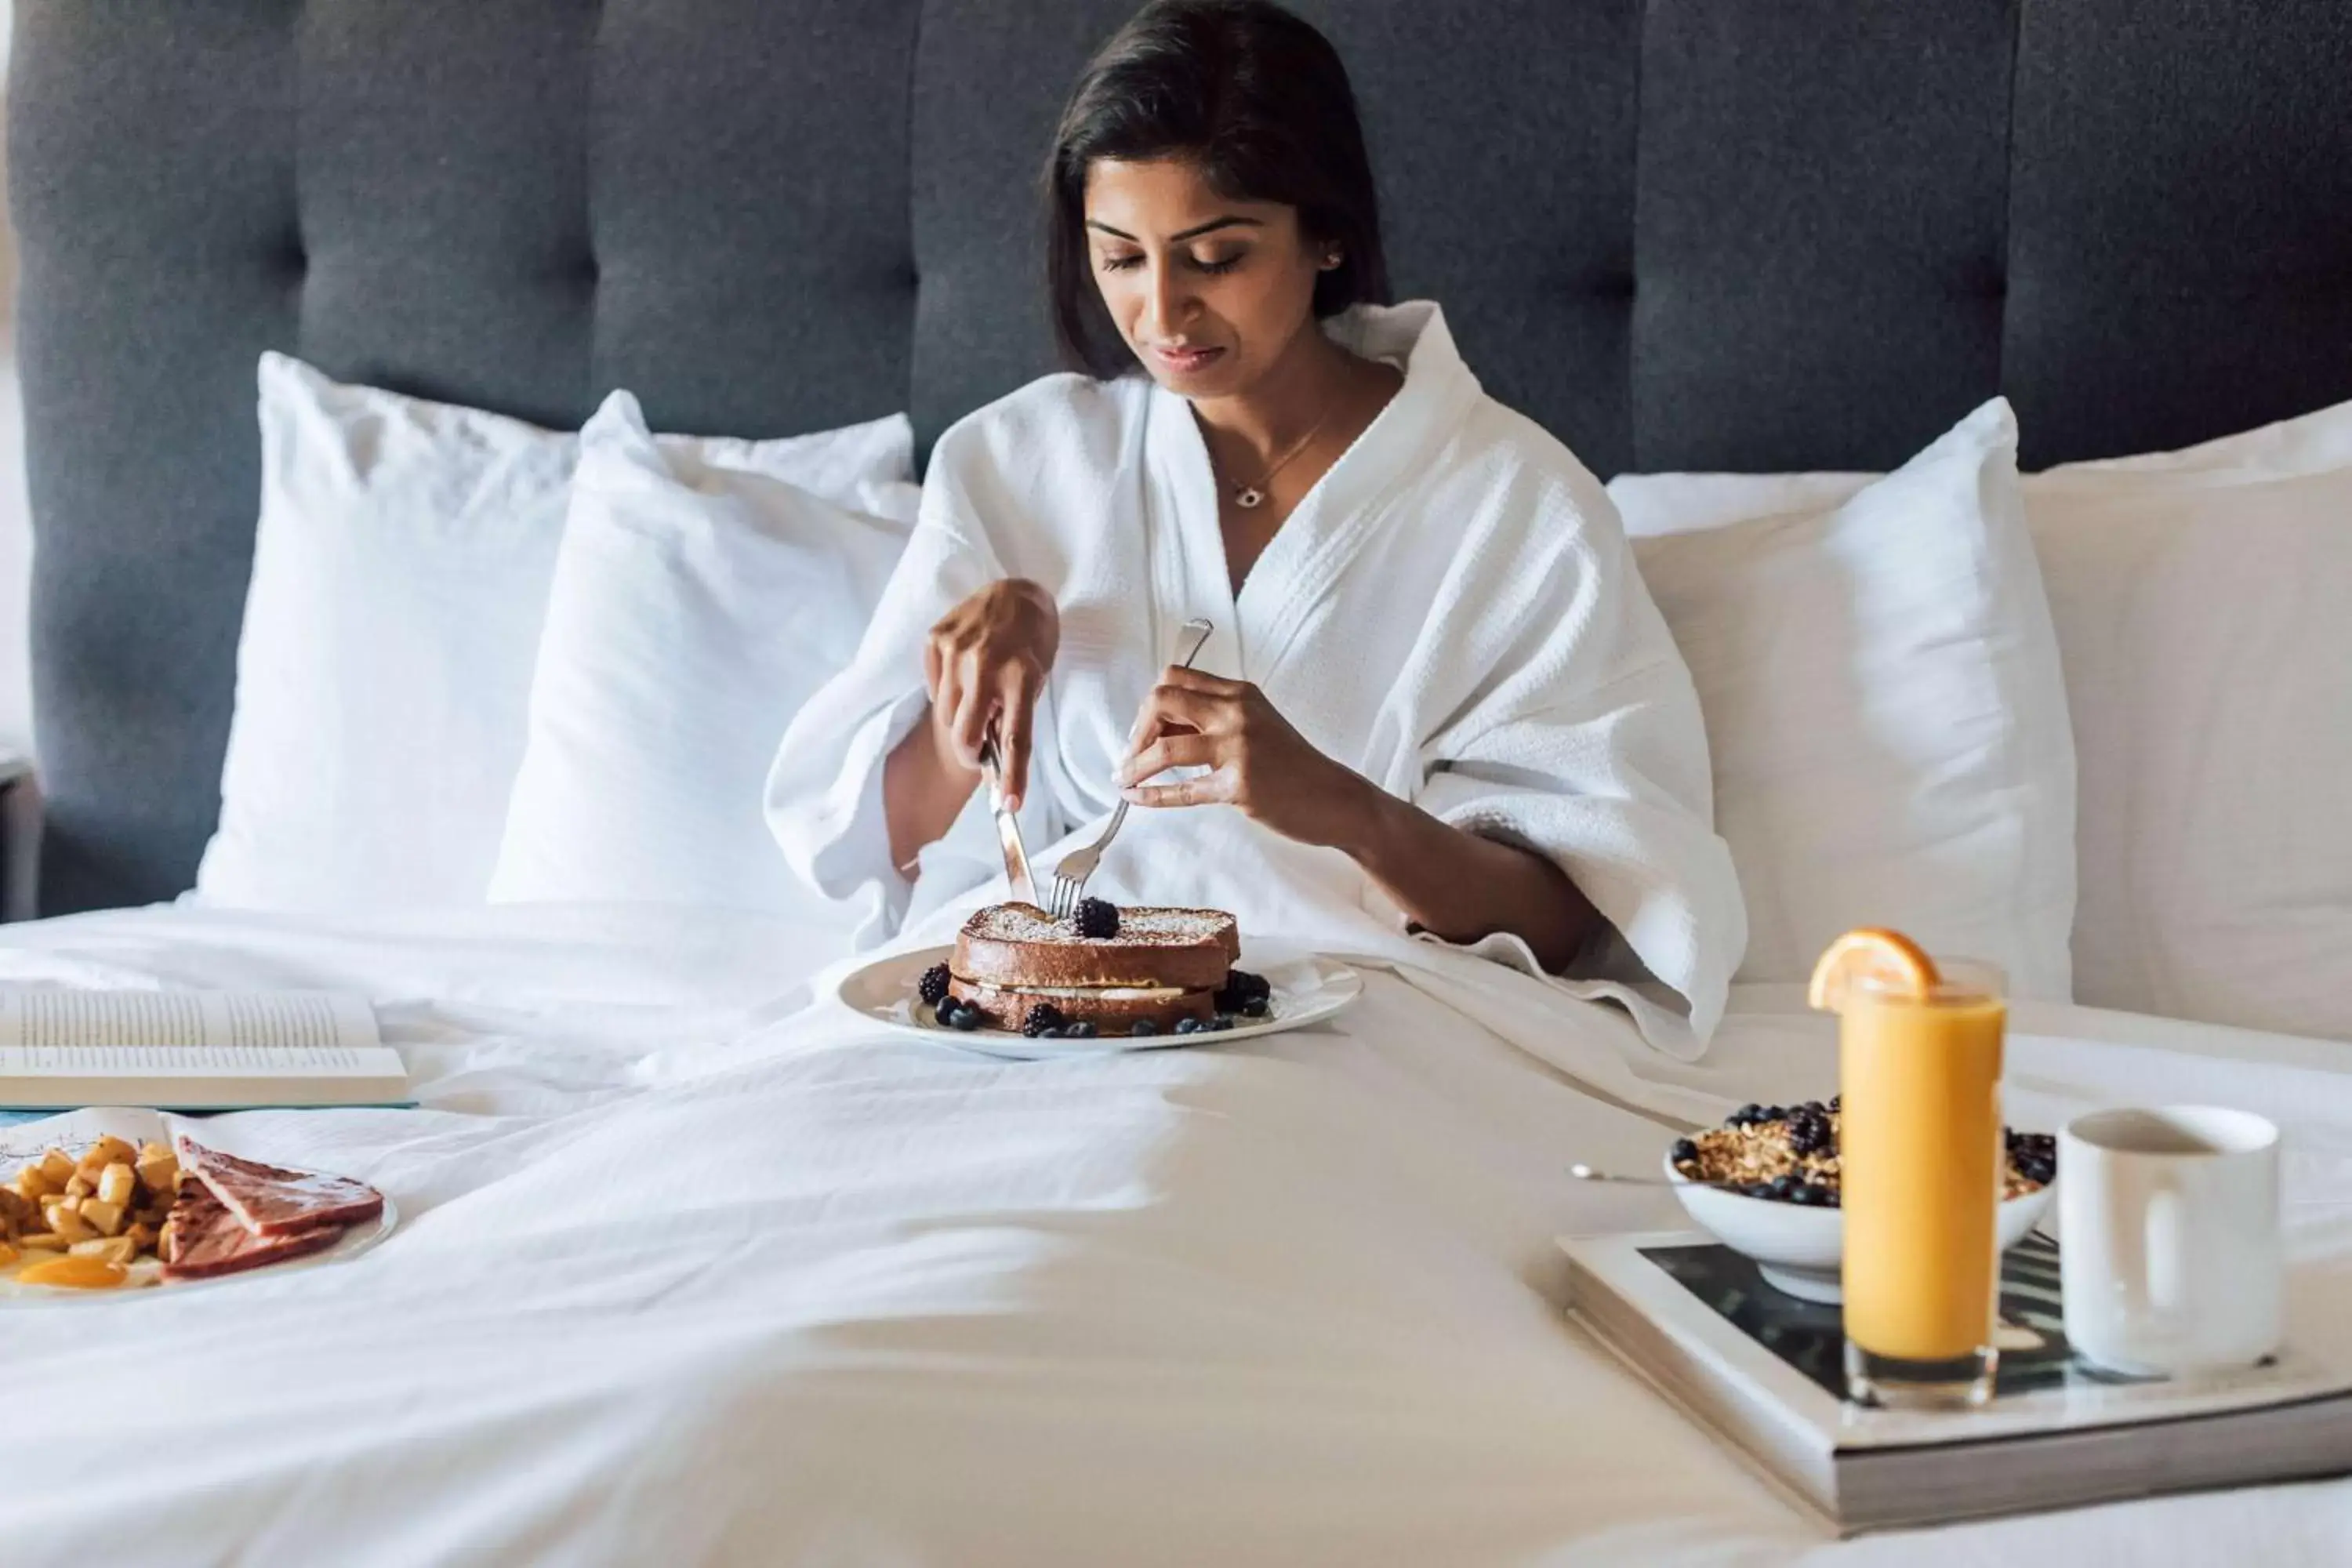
x=984, y=664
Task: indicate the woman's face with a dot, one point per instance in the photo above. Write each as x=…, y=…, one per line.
x=1209, y=292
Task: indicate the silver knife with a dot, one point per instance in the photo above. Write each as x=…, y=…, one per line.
x=1022, y=887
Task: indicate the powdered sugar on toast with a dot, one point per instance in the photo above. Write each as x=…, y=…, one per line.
x=1140, y=926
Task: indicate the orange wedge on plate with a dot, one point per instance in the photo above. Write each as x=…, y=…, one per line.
x=1887, y=959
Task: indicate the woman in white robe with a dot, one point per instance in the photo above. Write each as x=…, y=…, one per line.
x=1437, y=699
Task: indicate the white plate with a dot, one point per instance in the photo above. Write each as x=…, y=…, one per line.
x=147, y=1274
x=1308, y=989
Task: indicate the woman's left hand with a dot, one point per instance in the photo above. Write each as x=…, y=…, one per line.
x=1257, y=763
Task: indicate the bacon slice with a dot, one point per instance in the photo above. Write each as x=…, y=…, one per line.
x=203, y=1239
x=270, y=1201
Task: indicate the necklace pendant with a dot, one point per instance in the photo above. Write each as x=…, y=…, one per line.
x=1249, y=496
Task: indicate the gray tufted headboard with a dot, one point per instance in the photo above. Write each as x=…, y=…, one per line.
x=1682, y=234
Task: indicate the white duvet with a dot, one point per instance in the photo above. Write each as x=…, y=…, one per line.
x=689, y=1273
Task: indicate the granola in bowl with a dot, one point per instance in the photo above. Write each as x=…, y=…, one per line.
x=1789, y=1154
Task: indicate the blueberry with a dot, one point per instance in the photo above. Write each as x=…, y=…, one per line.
x=1684, y=1150
x=1808, y=1196
x=1256, y=1008
x=1081, y=1030
x=1144, y=1026
x=1837, y=1102
x=1758, y=1189
x=1096, y=918
x=1813, y=1107
x=1784, y=1187
x=1220, y=1026
x=1746, y=1114
x=1188, y=1026
x=1775, y=1113
x=966, y=1019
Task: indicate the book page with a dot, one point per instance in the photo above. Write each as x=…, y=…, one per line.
x=69, y=1031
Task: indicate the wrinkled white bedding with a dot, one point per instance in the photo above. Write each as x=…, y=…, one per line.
x=689, y=1273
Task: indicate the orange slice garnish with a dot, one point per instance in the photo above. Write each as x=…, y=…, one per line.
x=1887, y=959
x=76, y=1273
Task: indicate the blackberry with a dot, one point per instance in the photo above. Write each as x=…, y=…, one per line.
x=1096, y=918
x=1042, y=1016
x=1242, y=988
x=1810, y=1134
x=933, y=986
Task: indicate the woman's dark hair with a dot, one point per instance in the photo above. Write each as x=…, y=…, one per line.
x=1253, y=96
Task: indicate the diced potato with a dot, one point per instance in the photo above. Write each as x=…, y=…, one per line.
x=81, y=1186
x=41, y=1241
x=145, y=1237
x=68, y=1223
x=113, y=1249
x=118, y=1184
x=33, y=1181
x=109, y=1149
x=158, y=1172
x=106, y=1216
x=59, y=1167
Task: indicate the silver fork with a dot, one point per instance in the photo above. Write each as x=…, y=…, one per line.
x=1070, y=876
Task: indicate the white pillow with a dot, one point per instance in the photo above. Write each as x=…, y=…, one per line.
x=2201, y=600
x=400, y=574
x=1883, y=705
x=697, y=605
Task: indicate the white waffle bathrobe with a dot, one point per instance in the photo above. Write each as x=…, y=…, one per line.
x=1452, y=611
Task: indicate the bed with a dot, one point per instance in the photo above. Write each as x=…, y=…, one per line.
x=693, y=1263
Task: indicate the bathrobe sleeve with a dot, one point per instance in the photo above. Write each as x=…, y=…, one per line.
x=825, y=788
x=1558, y=715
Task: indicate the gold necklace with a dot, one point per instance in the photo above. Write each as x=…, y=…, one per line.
x=1249, y=497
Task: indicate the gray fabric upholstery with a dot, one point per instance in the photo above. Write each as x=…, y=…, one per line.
x=1686, y=233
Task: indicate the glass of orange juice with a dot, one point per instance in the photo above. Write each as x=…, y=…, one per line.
x=1919, y=1168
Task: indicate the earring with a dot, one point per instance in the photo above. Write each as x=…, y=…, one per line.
x=1331, y=259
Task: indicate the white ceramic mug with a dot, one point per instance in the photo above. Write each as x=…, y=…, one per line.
x=2170, y=1260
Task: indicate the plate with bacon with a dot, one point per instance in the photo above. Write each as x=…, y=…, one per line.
x=108, y=1215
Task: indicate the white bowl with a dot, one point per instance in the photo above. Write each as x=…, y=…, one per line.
x=1799, y=1248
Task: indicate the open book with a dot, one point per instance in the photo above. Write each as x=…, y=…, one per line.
x=1766, y=1372
x=194, y=1050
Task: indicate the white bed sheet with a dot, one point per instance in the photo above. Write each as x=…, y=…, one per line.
x=690, y=1274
